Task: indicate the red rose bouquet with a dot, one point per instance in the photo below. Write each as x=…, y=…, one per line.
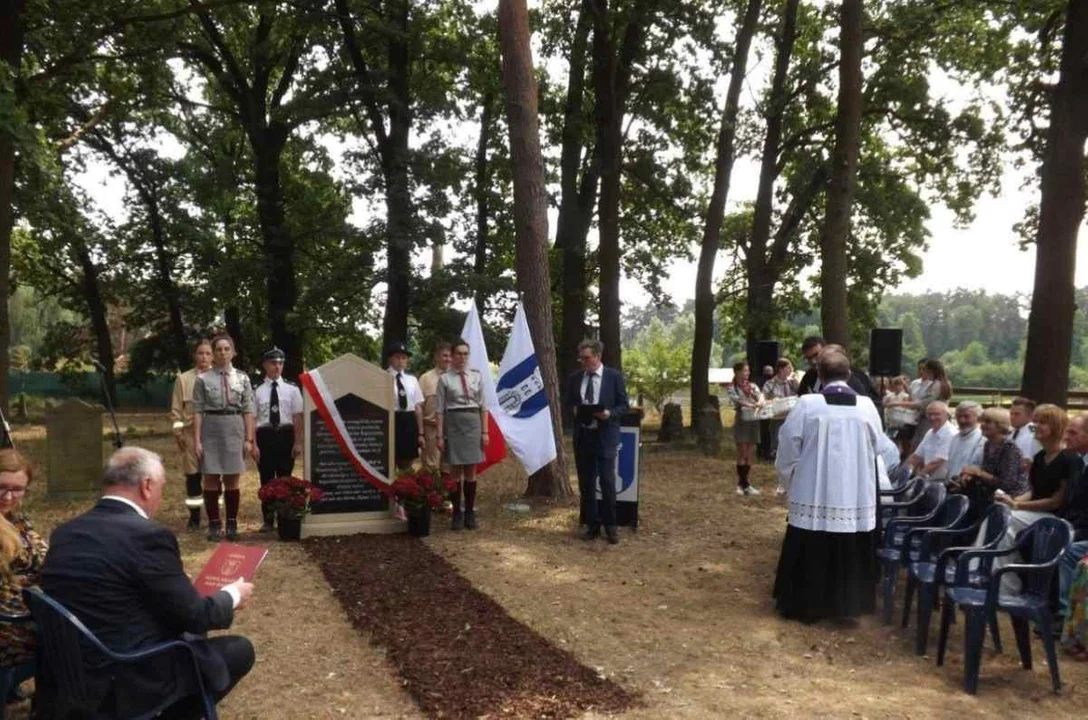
x=423, y=489
x=291, y=497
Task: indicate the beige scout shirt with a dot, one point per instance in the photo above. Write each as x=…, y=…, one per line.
x=428, y=385
x=451, y=396
x=181, y=404
x=217, y=390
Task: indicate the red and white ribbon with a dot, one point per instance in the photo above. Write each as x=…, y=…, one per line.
x=326, y=408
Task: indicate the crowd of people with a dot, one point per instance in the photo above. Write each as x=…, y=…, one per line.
x=835, y=452
x=837, y=447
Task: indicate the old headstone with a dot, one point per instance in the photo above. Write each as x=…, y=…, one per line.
x=672, y=423
x=363, y=395
x=710, y=429
x=75, y=452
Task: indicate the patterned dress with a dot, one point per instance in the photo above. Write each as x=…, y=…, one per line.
x=1075, y=631
x=17, y=641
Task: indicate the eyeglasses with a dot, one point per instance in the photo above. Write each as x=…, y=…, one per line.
x=460, y=352
x=14, y=492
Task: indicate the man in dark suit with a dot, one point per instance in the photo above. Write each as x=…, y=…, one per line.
x=120, y=573
x=859, y=382
x=597, y=437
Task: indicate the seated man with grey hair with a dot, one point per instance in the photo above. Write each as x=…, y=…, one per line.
x=965, y=448
x=930, y=458
x=121, y=574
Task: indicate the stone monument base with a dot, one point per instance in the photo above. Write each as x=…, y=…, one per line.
x=373, y=523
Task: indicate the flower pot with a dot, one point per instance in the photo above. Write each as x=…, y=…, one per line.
x=419, y=522
x=289, y=528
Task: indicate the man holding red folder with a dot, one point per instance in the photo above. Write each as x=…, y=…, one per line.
x=120, y=572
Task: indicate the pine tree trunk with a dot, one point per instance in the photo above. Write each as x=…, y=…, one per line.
x=279, y=249
x=11, y=52
x=574, y=205
x=96, y=310
x=531, y=223
x=482, y=193
x=760, y=294
x=1061, y=211
x=834, y=310
x=712, y=232
x=398, y=191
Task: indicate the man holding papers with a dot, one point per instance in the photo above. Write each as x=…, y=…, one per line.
x=120, y=572
x=598, y=399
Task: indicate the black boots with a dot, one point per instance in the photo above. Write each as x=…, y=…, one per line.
x=214, y=528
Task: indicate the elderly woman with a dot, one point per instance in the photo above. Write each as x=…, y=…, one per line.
x=461, y=420
x=22, y=552
x=744, y=395
x=181, y=413
x=225, y=428
x=999, y=468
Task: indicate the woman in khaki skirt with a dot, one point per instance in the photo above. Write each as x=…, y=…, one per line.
x=462, y=430
x=224, y=428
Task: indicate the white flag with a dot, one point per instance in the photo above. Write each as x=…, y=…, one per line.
x=473, y=334
x=522, y=410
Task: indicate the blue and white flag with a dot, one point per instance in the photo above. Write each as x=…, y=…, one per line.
x=522, y=411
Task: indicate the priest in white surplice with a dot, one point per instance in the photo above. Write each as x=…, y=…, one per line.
x=826, y=463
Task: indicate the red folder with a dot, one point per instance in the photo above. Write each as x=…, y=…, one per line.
x=228, y=563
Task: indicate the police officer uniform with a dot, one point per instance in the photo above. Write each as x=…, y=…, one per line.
x=279, y=403
x=408, y=401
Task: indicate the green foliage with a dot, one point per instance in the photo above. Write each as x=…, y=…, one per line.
x=658, y=362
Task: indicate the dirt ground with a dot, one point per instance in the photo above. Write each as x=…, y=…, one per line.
x=679, y=612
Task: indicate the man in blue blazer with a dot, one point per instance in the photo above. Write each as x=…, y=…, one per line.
x=597, y=436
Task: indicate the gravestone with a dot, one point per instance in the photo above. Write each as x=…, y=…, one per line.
x=363, y=394
x=75, y=451
x=672, y=423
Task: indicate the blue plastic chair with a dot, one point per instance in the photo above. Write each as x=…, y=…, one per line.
x=923, y=512
x=929, y=570
x=7, y=673
x=66, y=648
x=1043, y=541
x=909, y=493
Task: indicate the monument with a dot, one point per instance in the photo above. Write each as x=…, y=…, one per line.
x=352, y=460
x=75, y=451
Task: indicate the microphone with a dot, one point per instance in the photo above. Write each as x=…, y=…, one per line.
x=97, y=364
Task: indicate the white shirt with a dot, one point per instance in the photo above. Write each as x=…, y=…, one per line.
x=964, y=450
x=235, y=596
x=937, y=445
x=411, y=390
x=599, y=373
x=1024, y=438
x=826, y=463
x=290, y=401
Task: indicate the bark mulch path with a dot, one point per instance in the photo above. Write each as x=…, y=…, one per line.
x=457, y=651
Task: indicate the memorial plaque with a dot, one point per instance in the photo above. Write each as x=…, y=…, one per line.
x=75, y=450
x=345, y=491
x=363, y=395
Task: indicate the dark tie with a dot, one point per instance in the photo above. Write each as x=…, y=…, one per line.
x=590, y=394
x=464, y=386
x=402, y=396
x=274, y=406
x=1016, y=433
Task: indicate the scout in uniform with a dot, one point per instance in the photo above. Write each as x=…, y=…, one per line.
x=462, y=431
x=181, y=413
x=408, y=402
x=223, y=410
x=279, y=426
x=431, y=457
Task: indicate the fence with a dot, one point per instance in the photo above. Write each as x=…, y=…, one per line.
x=1075, y=399
x=155, y=393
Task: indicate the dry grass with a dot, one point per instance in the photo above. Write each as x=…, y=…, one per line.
x=679, y=612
